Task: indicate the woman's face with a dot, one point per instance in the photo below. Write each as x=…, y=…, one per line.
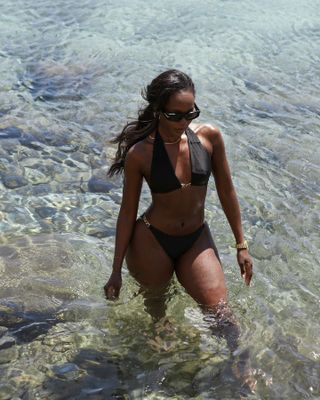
x=179, y=102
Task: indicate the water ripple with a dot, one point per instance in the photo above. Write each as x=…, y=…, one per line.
x=71, y=75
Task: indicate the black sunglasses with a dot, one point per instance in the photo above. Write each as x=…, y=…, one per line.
x=172, y=116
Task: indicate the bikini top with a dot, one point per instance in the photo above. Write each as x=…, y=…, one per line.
x=163, y=178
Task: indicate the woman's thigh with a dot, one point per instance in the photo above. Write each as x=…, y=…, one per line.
x=199, y=271
x=147, y=261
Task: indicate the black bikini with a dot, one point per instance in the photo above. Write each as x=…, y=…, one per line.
x=163, y=180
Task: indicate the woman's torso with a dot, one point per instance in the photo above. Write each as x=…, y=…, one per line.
x=178, y=210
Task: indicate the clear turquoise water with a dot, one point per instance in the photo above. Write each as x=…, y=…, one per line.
x=70, y=77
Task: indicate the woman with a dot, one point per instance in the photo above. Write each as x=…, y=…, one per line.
x=172, y=236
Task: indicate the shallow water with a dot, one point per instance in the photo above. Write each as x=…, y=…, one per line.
x=70, y=77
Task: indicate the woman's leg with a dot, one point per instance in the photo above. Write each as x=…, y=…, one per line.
x=199, y=271
x=151, y=267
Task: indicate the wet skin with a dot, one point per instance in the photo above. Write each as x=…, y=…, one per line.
x=178, y=212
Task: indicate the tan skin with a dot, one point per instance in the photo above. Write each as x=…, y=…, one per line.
x=179, y=212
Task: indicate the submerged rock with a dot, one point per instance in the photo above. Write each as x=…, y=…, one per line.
x=29, y=140
x=41, y=189
x=69, y=148
x=14, y=181
x=97, y=185
x=66, y=371
x=3, y=331
x=8, y=356
x=42, y=276
x=7, y=391
x=36, y=177
x=10, y=133
x=45, y=212
x=49, y=81
x=7, y=342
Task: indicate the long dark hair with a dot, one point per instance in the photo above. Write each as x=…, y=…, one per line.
x=157, y=95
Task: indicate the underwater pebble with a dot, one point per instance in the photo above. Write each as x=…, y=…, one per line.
x=76, y=164
x=99, y=233
x=68, y=371
x=36, y=177
x=26, y=153
x=57, y=156
x=20, y=216
x=10, y=146
x=80, y=157
x=62, y=348
x=101, y=173
x=32, y=162
x=6, y=342
x=30, y=332
x=10, y=133
x=27, y=138
x=34, y=190
x=8, y=355
x=4, y=164
x=7, y=251
x=56, y=169
x=30, y=379
x=70, y=163
x=14, y=181
x=3, y=330
x=11, y=169
x=68, y=148
x=3, y=110
x=53, y=138
x=45, y=212
x=6, y=391
x=32, y=144
x=96, y=185
x=97, y=151
x=41, y=189
x=96, y=163
x=70, y=177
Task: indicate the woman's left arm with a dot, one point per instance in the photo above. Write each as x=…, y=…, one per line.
x=228, y=198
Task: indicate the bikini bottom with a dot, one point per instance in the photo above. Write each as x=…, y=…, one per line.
x=174, y=246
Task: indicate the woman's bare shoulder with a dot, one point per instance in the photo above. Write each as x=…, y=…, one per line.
x=207, y=131
x=139, y=147
x=139, y=152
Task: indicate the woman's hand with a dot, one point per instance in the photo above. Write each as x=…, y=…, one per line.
x=113, y=286
x=245, y=264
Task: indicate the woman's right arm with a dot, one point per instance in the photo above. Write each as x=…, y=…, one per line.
x=126, y=220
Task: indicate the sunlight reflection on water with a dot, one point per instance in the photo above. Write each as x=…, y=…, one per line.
x=70, y=78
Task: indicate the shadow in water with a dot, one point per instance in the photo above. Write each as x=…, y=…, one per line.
x=149, y=366
x=91, y=374
x=164, y=360
x=25, y=327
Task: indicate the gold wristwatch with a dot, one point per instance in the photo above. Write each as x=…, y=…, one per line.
x=241, y=246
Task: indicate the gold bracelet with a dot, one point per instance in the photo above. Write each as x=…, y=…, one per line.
x=241, y=246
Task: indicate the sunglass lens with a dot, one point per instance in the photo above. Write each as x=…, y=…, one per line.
x=192, y=115
x=179, y=116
